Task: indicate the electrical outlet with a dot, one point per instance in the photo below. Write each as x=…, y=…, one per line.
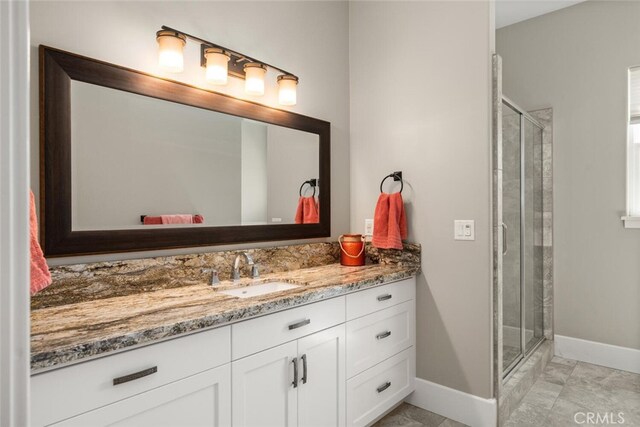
x=368, y=227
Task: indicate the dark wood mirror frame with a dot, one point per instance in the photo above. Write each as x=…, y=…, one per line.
x=57, y=69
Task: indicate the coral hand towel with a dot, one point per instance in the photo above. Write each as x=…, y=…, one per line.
x=389, y=222
x=40, y=275
x=157, y=220
x=307, y=211
x=177, y=219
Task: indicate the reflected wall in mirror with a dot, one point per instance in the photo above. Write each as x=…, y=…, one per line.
x=136, y=162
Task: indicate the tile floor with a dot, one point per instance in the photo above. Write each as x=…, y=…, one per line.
x=568, y=389
x=564, y=389
x=407, y=415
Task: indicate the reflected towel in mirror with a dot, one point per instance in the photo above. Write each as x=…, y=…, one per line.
x=307, y=211
x=158, y=220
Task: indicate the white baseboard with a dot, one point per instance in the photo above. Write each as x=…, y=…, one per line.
x=465, y=408
x=611, y=356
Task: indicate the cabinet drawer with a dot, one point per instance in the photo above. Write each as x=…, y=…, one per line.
x=255, y=335
x=373, y=338
x=200, y=400
x=378, y=389
x=366, y=302
x=69, y=391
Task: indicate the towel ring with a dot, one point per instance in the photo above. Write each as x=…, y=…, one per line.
x=397, y=176
x=312, y=183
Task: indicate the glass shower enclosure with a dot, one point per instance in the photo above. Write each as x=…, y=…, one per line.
x=522, y=306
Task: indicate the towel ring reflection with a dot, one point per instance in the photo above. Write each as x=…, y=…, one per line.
x=313, y=183
x=397, y=176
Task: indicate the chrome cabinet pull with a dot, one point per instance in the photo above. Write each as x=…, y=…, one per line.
x=136, y=375
x=384, y=297
x=384, y=386
x=383, y=335
x=505, y=245
x=304, y=368
x=299, y=324
x=295, y=372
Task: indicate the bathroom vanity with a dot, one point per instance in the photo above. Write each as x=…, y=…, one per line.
x=327, y=354
x=183, y=340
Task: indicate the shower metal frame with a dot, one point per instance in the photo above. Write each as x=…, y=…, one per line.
x=524, y=354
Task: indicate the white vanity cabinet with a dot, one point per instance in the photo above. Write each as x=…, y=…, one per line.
x=381, y=353
x=300, y=379
x=300, y=383
x=199, y=400
x=184, y=381
x=344, y=361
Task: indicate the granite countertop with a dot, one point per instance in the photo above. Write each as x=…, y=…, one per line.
x=63, y=334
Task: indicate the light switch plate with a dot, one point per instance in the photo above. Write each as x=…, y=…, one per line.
x=464, y=229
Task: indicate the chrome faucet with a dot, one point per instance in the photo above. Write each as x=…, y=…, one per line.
x=214, y=276
x=249, y=260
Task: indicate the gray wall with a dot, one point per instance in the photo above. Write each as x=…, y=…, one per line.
x=310, y=38
x=575, y=60
x=416, y=107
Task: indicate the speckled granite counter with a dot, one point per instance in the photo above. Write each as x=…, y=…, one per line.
x=62, y=333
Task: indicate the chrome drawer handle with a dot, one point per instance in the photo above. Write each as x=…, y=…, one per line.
x=294, y=383
x=137, y=375
x=299, y=324
x=384, y=297
x=304, y=368
x=383, y=335
x=384, y=386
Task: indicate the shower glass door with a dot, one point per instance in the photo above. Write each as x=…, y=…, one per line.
x=522, y=325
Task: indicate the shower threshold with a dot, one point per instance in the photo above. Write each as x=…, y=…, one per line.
x=515, y=365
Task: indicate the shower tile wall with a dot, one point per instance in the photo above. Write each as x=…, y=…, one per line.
x=545, y=118
x=533, y=235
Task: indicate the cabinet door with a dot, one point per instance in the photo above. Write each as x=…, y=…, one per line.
x=321, y=388
x=199, y=400
x=263, y=394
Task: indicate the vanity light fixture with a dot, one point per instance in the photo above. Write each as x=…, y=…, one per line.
x=287, y=88
x=170, y=46
x=254, y=80
x=217, y=64
x=221, y=62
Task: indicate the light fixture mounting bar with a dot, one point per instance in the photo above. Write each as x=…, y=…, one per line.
x=237, y=61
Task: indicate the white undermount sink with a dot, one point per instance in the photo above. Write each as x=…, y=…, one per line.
x=259, y=289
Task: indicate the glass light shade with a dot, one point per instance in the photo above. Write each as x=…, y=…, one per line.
x=171, y=45
x=217, y=65
x=254, y=79
x=287, y=88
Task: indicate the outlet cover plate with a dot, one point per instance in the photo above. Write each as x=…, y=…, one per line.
x=464, y=229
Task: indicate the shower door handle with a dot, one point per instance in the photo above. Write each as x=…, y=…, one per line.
x=505, y=247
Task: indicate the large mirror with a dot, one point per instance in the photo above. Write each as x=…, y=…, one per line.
x=136, y=162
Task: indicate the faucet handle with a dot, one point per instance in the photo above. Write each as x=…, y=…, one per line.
x=214, y=275
x=254, y=271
